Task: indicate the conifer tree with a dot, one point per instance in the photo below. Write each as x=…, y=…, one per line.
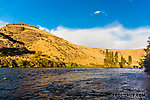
x=109, y=58
x=129, y=60
x=123, y=61
x=116, y=58
x=106, y=58
x=146, y=61
x=106, y=53
x=112, y=59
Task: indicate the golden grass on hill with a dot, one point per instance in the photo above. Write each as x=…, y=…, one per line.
x=57, y=48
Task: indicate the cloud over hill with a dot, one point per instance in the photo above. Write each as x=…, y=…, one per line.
x=111, y=36
x=2, y=23
x=114, y=36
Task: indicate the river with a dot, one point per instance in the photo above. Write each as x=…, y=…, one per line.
x=73, y=83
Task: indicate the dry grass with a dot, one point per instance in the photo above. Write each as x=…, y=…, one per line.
x=61, y=50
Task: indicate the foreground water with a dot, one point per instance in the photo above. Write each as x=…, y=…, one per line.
x=73, y=83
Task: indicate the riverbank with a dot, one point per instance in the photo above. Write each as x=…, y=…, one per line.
x=37, y=60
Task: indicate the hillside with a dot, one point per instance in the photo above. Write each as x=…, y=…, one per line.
x=21, y=40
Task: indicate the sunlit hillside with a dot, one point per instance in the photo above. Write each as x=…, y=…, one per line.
x=22, y=40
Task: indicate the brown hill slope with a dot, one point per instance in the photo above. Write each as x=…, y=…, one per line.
x=29, y=38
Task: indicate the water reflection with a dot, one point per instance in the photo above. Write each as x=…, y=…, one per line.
x=72, y=83
x=146, y=83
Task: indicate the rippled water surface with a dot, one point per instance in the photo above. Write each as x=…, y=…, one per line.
x=73, y=83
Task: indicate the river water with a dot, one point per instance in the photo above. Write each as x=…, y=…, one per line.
x=73, y=83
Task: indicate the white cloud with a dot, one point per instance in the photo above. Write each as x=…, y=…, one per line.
x=97, y=12
x=2, y=23
x=43, y=28
x=111, y=36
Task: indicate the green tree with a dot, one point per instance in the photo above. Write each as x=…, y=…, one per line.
x=146, y=61
x=123, y=61
x=112, y=59
x=116, y=58
x=129, y=60
x=109, y=59
x=106, y=53
x=106, y=58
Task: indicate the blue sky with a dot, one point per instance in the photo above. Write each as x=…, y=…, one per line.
x=82, y=15
x=76, y=13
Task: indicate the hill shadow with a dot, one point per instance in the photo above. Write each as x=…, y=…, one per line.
x=11, y=39
x=15, y=51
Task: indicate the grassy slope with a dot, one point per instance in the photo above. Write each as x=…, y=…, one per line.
x=60, y=49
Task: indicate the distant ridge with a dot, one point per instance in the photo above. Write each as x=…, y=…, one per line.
x=34, y=39
x=21, y=23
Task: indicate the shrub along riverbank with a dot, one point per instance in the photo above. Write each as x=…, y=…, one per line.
x=37, y=60
x=43, y=62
